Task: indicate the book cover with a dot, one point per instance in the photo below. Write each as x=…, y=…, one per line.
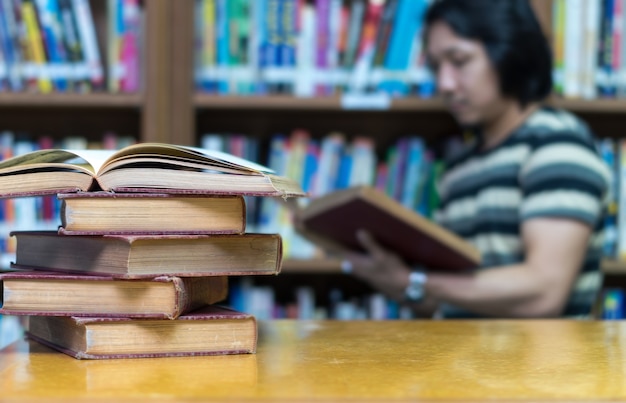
x=108, y=213
x=56, y=294
x=332, y=221
x=144, y=167
x=143, y=256
x=212, y=330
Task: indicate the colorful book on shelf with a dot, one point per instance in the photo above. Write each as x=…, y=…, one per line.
x=212, y=330
x=108, y=213
x=144, y=256
x=56, y=294
x=144, y=167
x=332, y=221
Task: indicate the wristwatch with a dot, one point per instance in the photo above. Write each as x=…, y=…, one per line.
x=414, y=292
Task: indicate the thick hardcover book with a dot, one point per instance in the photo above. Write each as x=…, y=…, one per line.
x=212, y=330
x=91, y=213
x=145, y=167
x=142, y=256
x=50, y=293
x=333, y=221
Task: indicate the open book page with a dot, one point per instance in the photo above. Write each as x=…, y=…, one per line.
x=51, y=158
x=95, y=160
x=185, y=155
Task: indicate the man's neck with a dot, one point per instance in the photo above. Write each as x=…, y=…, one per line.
x=500, y=128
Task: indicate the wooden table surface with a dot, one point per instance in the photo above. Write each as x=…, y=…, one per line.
x=545, y=360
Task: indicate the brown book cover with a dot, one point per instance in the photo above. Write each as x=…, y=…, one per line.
x=212, y=330
x=100, y=213
x=144, y=256
x=57, y=294
x=142, y=167
x=333, y=220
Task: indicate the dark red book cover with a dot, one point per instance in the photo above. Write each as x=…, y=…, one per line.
x=334, y=220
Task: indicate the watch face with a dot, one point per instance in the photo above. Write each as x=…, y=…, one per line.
x=415, y=290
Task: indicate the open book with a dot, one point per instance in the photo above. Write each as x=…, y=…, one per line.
x=332, y=221
x=144, y=167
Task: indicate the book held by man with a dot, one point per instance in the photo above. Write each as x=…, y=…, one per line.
x=143, y=256
x=332, y=221
x=143, y=167
x=212, y=330
x=92, y=213
x=57, y=294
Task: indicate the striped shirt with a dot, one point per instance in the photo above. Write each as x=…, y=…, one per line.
x=548, y=167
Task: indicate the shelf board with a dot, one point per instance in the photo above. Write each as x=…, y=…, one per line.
x=91, y=100
x=333, y=103
x=312, y=266
x=613, y=267
x=590, y=105
x=322, y=265
x=286, y=102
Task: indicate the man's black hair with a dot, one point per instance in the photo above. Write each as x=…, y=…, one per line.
x=512, y=37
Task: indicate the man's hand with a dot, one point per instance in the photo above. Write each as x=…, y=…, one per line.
x=379, y=267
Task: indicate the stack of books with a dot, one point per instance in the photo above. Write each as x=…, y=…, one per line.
x=144, y=251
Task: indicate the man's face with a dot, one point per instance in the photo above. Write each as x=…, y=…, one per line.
x=465, y=77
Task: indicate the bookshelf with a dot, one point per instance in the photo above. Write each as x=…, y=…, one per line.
x=145, y=114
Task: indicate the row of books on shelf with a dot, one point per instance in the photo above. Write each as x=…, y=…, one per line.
x=261, y=301
x=317, y=48
x=589, y=48
x=52, y=46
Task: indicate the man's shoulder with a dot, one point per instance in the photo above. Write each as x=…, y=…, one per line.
x=553, y=122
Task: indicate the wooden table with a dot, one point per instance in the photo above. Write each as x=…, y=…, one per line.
x=551, y=360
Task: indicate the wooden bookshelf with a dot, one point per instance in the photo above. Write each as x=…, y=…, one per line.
x=145, y=115
x=62, y=100
x=286, y=102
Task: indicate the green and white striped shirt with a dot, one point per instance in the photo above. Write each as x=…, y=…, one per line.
x=548, y=167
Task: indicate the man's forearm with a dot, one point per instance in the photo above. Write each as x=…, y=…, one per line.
x=511, y=291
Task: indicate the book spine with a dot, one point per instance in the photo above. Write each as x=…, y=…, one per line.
x=11, y=46
x=590, y=37
x=72, y=46
x=573, y=56
x=35, y=44
x=222, y=46
x=357, y=15
x=115, y=30
x=322, y=15
x=89, y=43
x=616, y=43
x=51, y=34
x=605, y=51
x=558, y=22
x=130, y=46
x=193, y=293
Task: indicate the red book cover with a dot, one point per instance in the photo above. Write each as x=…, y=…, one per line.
x=333, y=220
